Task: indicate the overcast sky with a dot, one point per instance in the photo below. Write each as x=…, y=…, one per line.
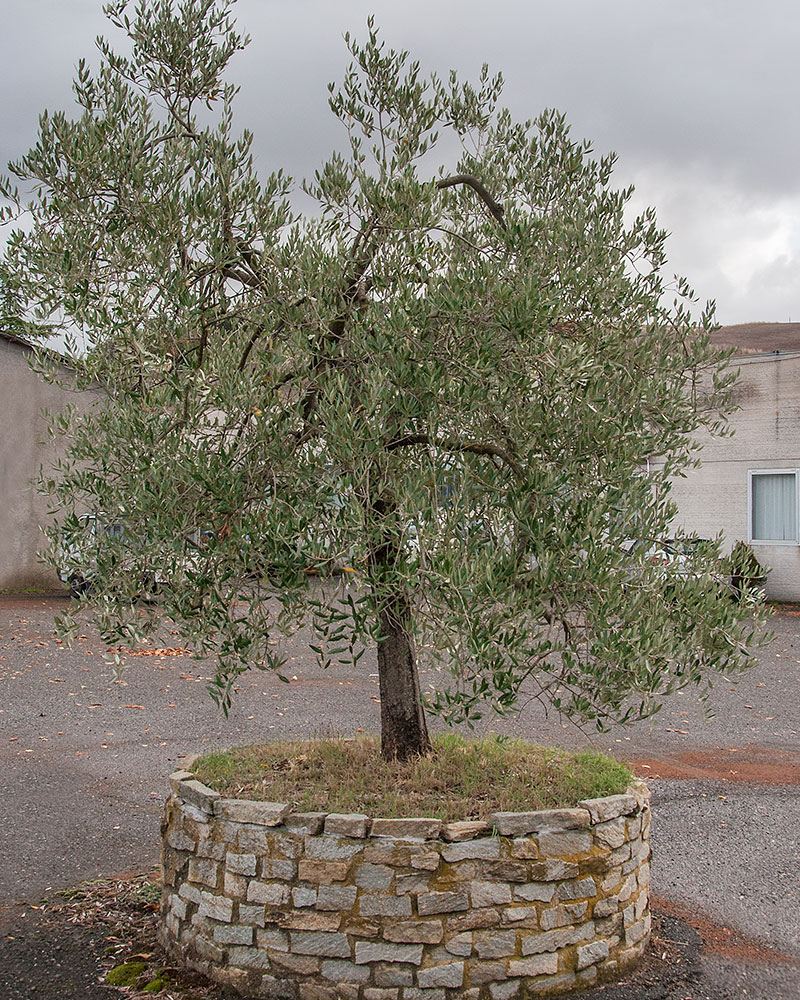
x=699, y=98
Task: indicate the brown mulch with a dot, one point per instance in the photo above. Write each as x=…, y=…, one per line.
x=64, y=949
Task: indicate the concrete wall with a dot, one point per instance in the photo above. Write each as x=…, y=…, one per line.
x=766, y=435
x=24, y=448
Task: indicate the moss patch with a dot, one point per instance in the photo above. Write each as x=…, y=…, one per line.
x=126, y=974
x=461, y=779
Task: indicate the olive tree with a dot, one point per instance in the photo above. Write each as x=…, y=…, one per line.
x=417, y=417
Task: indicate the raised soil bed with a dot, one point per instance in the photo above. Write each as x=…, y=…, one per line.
x=320, y=906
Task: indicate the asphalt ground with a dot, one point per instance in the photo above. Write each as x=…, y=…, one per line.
x=85, y=759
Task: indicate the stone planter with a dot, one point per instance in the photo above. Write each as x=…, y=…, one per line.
x=321, y=906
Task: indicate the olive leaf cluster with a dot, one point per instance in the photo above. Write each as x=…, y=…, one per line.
x=419, y=416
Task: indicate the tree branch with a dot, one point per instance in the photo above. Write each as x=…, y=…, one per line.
x=451, y=444
x=494, y=207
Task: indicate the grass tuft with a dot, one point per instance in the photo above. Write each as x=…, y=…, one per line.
x=461, y=780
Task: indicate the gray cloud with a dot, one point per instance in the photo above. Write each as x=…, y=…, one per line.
x=698, y=99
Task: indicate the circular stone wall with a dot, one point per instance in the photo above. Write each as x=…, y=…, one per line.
x=322, y=906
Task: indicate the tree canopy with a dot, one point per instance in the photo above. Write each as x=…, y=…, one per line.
x=437, y=389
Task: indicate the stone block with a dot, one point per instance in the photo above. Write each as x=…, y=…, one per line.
x=240, y=864
x=215, y=907
x=278, y=868
x=414, y=931
x=474, y=920
x=417, y=994
x=248, y=958
x=537, y=965
x=589, y=954
x=177, y=777
x=235, y=886
x=361, y=927
x=525, y=848
x=233, y=934
x=441, y=902
x=393, y=975
x=467, y=830
x=272, y=938
x=560, y=916
x=271, y=893
x=248, y=811
x=609, y=807
x=368, y=951
x=285, y=961
x=460, y=944
x=271, y=988
x=427, y=861
x=535, y=944
x=552, y=870
x=558, y=984
x=331, y=848
x=179, y=841
x=566, y=844
x=197, y=794
x=450, y=976
x=370, y=876
x=384, y=906
x=215, y=849
x=415, y=828
x=504, y=871
x=190, y=893
x=204, y=871
x=611, y=834
x=252, y=839
x=322, y=872
x=304, y=897
x=541, y=892
x=345, y=972
x=412, y=883
x=310, y=991
x=390, y=853
x=312, y=920
x=328, y=945
x=347, y=824
x=510, y=824
x=489, y=894
x=637, y=931
x=253, y=915
x=178, y=907
x=521, y=916
x=496, y=945
x=305, y=824
x=487, y=848
x=487, y=972
x=577, y=889
x=605, y=907
x=504, y=991
x=336, y=897
x=373, y=993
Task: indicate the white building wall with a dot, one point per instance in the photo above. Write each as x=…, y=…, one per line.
x=766, y=435
x=25, y=447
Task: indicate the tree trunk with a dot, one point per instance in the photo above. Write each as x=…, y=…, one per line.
x=404, y=733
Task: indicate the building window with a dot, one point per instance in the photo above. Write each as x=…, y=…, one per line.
x=773, y=506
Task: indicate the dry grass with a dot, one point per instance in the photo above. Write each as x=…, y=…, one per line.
x=462, y=779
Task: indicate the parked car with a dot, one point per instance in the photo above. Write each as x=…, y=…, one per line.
x=79, y=565
x=677, y=557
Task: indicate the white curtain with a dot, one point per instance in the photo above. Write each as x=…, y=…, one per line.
x=774, y=507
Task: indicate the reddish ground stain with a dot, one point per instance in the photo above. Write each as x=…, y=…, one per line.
x=749, y=764
x=719, y=940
